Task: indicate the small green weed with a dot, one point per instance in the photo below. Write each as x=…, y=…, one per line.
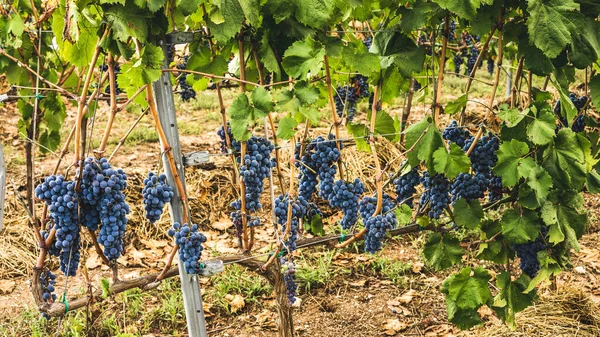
x=317, y=270
x=390, y=269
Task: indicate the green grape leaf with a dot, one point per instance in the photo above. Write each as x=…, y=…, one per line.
x=261, y=99
x=510, y=157
x=202, y=60
x=513, y=116
x=416, y=16
x=187, y=7
x=286, y=128
x=466, y=291
x=564, y=159
x=306, y=94
x=457, y=105
x=540, y=182
x=241, y=112
x=493, y=251
x=303, y=57
x=50, y=140
x=384, y=124
x=453, y=163
x=527, y=197
x=142, y=71
x=105, y=286
x=520, y=227
x=315, y=226
x=595, y=90
x=15, y=25
x=442, y=252
x=593, y=182
x=511, y=297
x=152, y=5
x=562, y=213
x=466, y=9
x=311, y=114
x=585, y=46
x=267, y=55
x=127, y=22
x=312, y=13
x=54, y=111
x=360, y=59
x=468, y=214
x=549, y=26
x=403, y=214
x=549, y=268
x=226, y=21
x=359, y=131
x=542, y=129
x=567, y=108
x=251, y=10
x=424, y=138
x=395, y=48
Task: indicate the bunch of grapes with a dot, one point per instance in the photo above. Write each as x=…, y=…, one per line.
x=368, y=41
x=458, y=60
x=490, y=65
x=361, y=85
x=104, y=68
x=454, y=133
x=102, y=189
x=237, y=146
x=47, y=281
x=376, y=224
x=527, y=253
x=471, y=59
x=422, y=39
x=170, y=53
x=52, y=250
x=345, y=196
x=436, y=194
x=579, y=123
x=59, y=194
x=451, y=31
x=289, y=277
x=416, y=85
x=156, y=194
x=189, y=241
x=185, y=90
x=317, y=166
x=299, y=208
x=406, y=187
x=468, y=187
x=483, y=157
x=495, y=188
x=346, y=96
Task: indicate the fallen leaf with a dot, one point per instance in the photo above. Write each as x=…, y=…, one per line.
x=236, y=302
x=393, y=326
x=359, y=284
x=417, y=267
x=93, y=261
x=7, y=286
x=222, y=224
x=407, y=297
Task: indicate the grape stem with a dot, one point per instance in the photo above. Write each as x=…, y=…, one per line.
x=165, y=270
x=113, y=103
x=516, y=82
x=96, y=246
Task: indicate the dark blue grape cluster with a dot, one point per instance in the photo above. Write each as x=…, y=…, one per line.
x=483, y=157
x=368, y=41
x=422, y=42
x=468, y=187
x=377, y=224
x=256, y=167
x=406, y=187
x=345, y=196
x=299, y=208
x=47, y=281
x=170, y=53
x=458, y=61
x=346, y=96
x=471, y=59
x=189, y=240
x=52, y=250
x=579, y=123
x=490, y=65
x=495, y=188
x=455, y=133
x=237, y=146
x=104, y=68
x=416, y=85
x=102, y=189
x=289, y=277
x=317, y=167
x=156, y=194
x=436, y=192
x=361, y=85
x=186, y=92
x=527, y=253
x=61, y=197
x=452, y=31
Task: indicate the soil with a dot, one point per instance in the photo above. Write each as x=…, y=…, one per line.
x=357, y=303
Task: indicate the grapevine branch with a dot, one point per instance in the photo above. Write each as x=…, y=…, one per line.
x=113, y=103
x=438, y=92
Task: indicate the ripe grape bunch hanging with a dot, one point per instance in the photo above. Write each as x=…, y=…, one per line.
x=336, y=125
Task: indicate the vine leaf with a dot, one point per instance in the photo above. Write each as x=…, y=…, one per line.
x=512, y=117
x=593, y=182
x=466, y=291
x=303, y=57
x=451, y=163
x=468, y=214
x=225, y=19
x=567, y=108
x=543, y=128
x=384, y=124
x=152, y=5
x=540, y=182
x=455, y=106
x=442, y=252
x=312, y=13
x=240, y=111
x=549, y=25
x=585, y=46
x=511, y=299
x=595, y=90
x=301, y=95
x=356, y=56
x=563, y=216
x=424, y=139
x=520, y=227
x=261, y=99
x=564, y=159
x=465, y=8
x=395, y=48
x=510, y=159
x=549, y=267
x=142, y=71
x=286, y=128
x=403, y=214
x=127, y=22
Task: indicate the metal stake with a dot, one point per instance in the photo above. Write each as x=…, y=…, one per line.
x=190, y=288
